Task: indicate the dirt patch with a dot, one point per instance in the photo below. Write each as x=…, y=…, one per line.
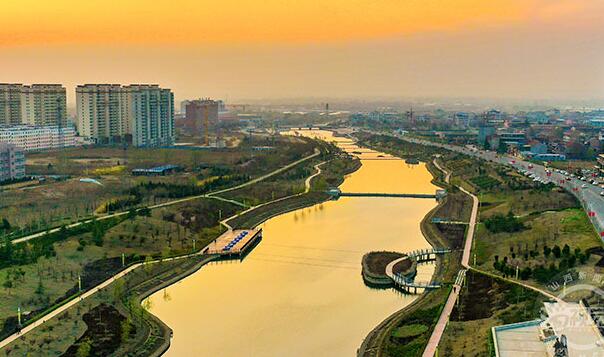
x=487, y=296
x=376, y=262
x=103, y=334
x=455, y=233
x=402, y=266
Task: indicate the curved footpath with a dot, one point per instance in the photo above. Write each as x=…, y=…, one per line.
x=372, y=343
x=225, y=221
x=443, y=320
x=174, y=202
x=38, y=322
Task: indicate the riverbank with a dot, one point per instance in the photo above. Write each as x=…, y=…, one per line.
x=71, y=324
x=306, y=257
x=160, y=342
x=426, y=308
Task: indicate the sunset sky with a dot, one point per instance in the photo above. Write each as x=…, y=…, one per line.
x=335, y=48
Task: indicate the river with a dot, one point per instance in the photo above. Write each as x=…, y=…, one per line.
x=300, y=291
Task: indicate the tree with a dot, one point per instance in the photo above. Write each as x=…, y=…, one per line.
x=84, y=349
x=525, y=273
x=557, y=251
x=566, y=250
x=5, y=225
x=547, y=251
x=8, y=284
x=126, y=330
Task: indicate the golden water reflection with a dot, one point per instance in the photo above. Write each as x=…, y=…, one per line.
x=300, y=292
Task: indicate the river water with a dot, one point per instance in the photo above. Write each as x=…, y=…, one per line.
x=300, y=291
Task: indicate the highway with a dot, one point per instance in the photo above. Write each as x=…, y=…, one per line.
x=590, y=197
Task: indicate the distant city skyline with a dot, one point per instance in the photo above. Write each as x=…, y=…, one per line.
x=530, y=49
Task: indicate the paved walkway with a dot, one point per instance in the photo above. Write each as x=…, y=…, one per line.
x=225, y=221
x=174, y=202
x=40, y=321
x=86, y=295
x=443, y=320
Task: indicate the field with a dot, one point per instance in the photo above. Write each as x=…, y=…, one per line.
x=527, y=248
x=63, y=199
x=486, y=302
x=48, y=268
x=49, y=280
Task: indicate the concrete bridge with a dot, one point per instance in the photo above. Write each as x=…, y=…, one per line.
x=336, y=193
x=408, y=284
x=412, y=287
x=424, y=255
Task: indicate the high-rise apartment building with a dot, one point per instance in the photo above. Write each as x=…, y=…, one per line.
x=12, y=162
x=36, y=104
x=44, y=104
x=151, y=117
x=99, y=112
x=10, y=103
x=140, y=114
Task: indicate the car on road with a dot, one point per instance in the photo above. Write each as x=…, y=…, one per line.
x=584, y=185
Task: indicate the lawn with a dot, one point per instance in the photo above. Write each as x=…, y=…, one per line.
x=527, y=247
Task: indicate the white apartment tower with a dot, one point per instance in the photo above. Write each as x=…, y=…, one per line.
x=43, y=105
x=36, y=104
x=99, y=112
x=141, y=114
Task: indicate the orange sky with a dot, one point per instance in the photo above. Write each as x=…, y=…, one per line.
x=288, y=42
x=33, y=22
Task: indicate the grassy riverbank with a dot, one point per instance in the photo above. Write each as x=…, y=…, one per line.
x=163, y=232
x=394, y=336
x=502, y=236
x=332, y=175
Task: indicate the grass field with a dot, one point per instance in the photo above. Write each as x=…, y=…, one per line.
x=486, y=302
x=36, y=286
x=159, y=233
x=65, y=200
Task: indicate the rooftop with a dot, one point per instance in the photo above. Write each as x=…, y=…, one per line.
x=537, y=337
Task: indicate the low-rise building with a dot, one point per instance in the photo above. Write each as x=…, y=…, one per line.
x=568, y=330
x=38, y=138
x=12, y=162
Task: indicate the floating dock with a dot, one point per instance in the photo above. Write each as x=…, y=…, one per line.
x=236, y=243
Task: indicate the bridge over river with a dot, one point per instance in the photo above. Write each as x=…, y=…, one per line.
x=336, y=193
x=409, y=284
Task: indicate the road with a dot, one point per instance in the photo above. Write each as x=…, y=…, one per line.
x=175, y=202
x=589, y=196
